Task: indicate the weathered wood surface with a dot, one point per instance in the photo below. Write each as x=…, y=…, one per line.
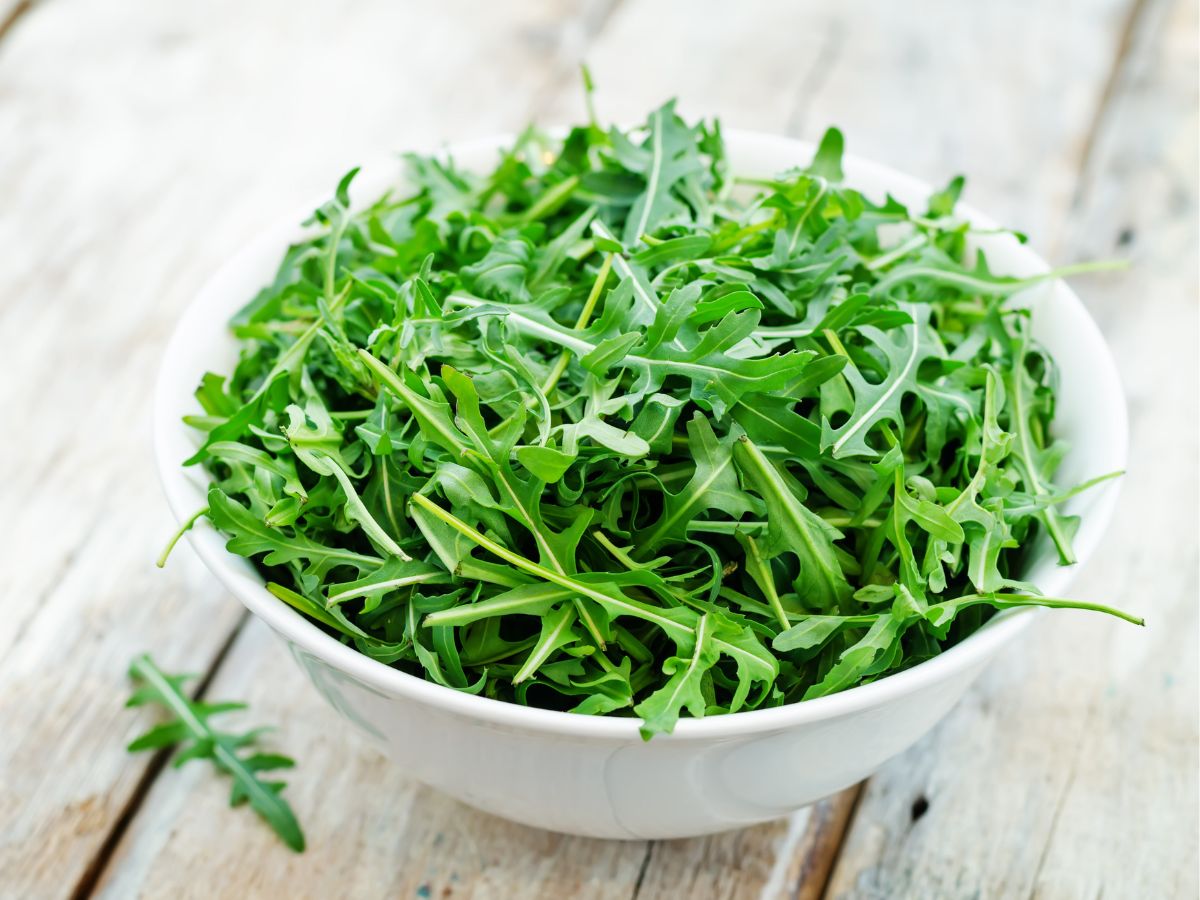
x=139, y=143
x=1072, y=768
x=372, y=832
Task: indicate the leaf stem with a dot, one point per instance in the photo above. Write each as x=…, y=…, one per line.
x=1007, y=601
x=766, y=579
x=180, y=532
x=1028, y=463
x=589, y=306
x=623, y=604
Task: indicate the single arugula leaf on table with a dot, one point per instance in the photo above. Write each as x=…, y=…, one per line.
x=231, y=752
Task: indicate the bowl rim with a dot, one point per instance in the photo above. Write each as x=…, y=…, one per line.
x=298, y=631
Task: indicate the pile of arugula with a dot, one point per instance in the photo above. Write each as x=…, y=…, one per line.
x=610, y=430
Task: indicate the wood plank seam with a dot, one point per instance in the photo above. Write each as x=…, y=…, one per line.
x=7, y=23
x=829, y=836
x=645, y=867
x=92, y=874
x=1061, y=800
x=593, y=27
x=1135, y=19
x=815, y=78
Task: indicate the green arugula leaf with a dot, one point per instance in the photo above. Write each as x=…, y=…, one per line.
x=191, y=726
x=612, y=430
x=669, y=154
x=684, y=687
x=793, y=528
x=713, y=485
x=250, y=536
x=880, y=402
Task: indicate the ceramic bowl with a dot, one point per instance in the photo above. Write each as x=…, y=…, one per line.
x=595, y=775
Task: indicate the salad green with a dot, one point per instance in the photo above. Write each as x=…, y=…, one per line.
x=608, y=429
x=232, y=753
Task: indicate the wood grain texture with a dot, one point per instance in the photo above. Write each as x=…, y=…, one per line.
x=1005, y=92
x=790, y=858
x=810, y=866
x=142, y=142
x=10, y=12
x=1072, y=771
x=195, y=126
x=373, y=832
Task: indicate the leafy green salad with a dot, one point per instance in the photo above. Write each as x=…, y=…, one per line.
x=611, y=430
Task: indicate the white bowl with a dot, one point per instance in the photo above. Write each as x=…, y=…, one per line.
x=593, y=775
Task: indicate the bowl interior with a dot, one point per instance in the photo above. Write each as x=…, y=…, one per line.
x=1090, y=417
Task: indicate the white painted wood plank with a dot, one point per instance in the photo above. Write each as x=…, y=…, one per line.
x=10, y=11
x=370, y=830
x=142, y=143
x=1072, y=770
x=791, y=858
x=373, y=832
x=226, y=115
x=739, y=864
x=1004, y=92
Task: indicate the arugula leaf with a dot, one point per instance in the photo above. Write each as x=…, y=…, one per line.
x=191, y=727
x=668, y=155
x=881, y=402
x=684, y=687
x=250, y=536
x=1034, y=461
x=502, y=272
x=792, y=527
x=609, y=430
x=713, y=485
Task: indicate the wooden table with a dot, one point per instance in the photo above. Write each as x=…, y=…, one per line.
x=141, y=142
